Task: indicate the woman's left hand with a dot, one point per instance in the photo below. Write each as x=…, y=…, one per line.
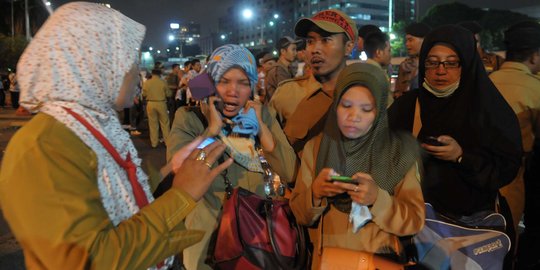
x=365, y=193
x=450, y=151
x=257, y=106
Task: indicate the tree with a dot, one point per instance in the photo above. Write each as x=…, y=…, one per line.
x=494, y=22
x=398, y=44
x=451, y=13
x=10, y=50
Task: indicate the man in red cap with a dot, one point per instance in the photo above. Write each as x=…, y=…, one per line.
x=301, y=104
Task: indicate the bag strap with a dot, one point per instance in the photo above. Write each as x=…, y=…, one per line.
x=131, y=170
x=127, y=165
x=417, y=124
x=301, y=248
x=228, y=186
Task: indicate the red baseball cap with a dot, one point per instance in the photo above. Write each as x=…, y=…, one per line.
x=330, y=20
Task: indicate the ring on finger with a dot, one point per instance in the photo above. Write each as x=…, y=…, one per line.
x=201, y=155
x=356, y=189
x=207, y=164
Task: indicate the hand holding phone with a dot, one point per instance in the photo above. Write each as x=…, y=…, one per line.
x=432, y=140
x=201, y=86
x=343, y=179
x=206, y=142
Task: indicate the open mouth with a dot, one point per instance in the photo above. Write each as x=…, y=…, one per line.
x=317, y=62
x=230, y=106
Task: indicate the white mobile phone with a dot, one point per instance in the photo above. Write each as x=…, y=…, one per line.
x=206, y=142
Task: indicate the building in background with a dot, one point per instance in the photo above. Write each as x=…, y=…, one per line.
x=257, y=24
x=363, y=12
x=184, y=39
x=404, y=10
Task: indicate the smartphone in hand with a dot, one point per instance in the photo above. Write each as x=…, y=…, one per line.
x=343, y=179
x=431, y=140
x=206, y=142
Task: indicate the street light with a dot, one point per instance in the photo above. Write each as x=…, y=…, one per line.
x=247, y=13
x=223, y=37
x=150, y=49
x=171, y=37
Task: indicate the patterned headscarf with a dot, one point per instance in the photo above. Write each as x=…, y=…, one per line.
x=230, y=56
x=78, y=60
x=242, y=148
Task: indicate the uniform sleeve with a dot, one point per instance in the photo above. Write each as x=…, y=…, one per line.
x=145, y=89
x=301, y=201
x=277, y=105
x=283, y=158
x=167, y=90
x=51, y=200
x=404, y=212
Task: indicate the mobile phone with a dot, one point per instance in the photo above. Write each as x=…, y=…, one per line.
x=201, y=86
x=218, y=103
x=343, y=179
x=206, y=142
x=431, y=140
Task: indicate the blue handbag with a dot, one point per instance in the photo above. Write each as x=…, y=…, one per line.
x=478, y=243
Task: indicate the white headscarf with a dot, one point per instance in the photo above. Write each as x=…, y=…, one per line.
x=78, y=60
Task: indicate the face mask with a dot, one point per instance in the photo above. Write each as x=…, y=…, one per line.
x=442, y=92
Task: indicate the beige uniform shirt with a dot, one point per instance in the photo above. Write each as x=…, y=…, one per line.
x=155, y=89
x=394, y=215
x=50, y=198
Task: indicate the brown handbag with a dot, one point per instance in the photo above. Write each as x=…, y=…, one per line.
x=334, y=258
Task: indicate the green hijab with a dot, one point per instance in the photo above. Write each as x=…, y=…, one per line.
x=385, y=155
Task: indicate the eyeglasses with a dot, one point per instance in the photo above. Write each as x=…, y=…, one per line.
x=446, y=64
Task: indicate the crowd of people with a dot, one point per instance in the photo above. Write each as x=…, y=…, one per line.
x=460, y=131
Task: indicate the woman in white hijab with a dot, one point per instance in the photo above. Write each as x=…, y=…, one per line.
x=71, y=186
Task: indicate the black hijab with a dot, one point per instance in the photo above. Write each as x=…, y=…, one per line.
x=386, y=156
x=480, y=120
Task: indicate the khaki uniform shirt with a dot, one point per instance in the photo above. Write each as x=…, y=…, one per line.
x=155, y=89
x=395, y=215
x=521, y=89
x=50, y=198
x=274, y=76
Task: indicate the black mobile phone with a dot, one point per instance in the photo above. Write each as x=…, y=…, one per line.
x=431, y=140
x=343, y=179
x=219, y=105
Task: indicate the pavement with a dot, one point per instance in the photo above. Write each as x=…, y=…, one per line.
x=11, y=256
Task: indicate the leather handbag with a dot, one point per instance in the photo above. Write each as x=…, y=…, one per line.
x=256, y=233
x=334, y=258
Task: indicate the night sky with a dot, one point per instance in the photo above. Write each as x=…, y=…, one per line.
x=157, y=14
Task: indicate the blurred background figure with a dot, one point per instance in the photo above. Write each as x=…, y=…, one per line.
x=280, y=71
x=408, y=69
x=492, y=61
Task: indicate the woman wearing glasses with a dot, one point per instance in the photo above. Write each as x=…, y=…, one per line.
x=470, y=133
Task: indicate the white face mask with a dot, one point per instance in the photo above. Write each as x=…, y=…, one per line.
x=441, y=92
